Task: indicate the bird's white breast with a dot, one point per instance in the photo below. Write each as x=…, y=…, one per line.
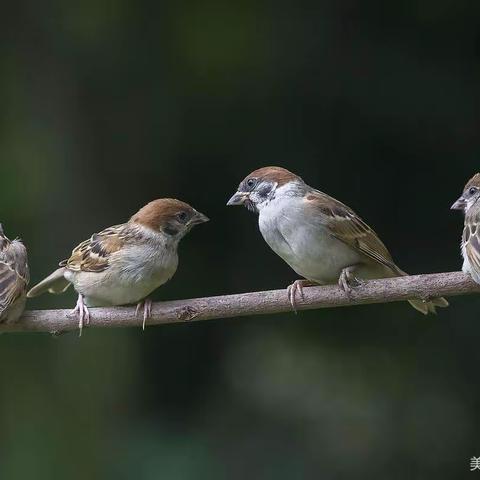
x=303, y=241
x=130, y=277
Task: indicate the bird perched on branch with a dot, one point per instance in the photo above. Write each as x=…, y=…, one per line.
x=14, y=278
x=322, y=239
x=470, y=246
x=125, y=263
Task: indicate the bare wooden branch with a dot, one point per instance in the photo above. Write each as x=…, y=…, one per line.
x=257, y=303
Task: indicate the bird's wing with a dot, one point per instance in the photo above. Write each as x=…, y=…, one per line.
x=14, y=275
x=345, y=225
x=93, y=254
x=471, y=240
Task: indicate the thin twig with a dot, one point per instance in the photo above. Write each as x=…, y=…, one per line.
x=256, y=303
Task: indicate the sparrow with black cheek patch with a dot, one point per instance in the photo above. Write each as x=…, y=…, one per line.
x=125, y=263
x=470, y=246
x=14, y=277
x=322, y=239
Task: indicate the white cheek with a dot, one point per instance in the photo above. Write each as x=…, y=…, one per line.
x=257, y=200
x=260, y=200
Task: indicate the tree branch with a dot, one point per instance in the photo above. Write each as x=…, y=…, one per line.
x=257, y=303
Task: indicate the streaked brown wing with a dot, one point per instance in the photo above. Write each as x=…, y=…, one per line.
x=349, y=228
x=93, y=254
x=471, y=241
x=14, y=274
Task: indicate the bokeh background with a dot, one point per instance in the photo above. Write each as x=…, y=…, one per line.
x=106, y=105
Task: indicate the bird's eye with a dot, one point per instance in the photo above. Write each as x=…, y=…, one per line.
x=251, y=182
x=472, y=190
x=182, y=216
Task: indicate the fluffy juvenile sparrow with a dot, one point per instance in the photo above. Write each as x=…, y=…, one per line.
x=124, y=264
x=470, y=205
x=322, y=239
x=14, y=277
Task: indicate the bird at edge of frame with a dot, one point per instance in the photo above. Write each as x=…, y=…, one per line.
x=470, y=245
x=124, y=264
x=14, y=278
x=322, y=239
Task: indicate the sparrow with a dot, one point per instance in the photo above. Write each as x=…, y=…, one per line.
x=125, y=263
x=322, y=239
x=470, y=246
x=14, y=278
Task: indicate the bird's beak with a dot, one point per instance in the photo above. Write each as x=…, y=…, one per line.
x=459, y=204
x=238, y=199
x=199, y=218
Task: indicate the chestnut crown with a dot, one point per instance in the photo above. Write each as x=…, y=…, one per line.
x=168, y=215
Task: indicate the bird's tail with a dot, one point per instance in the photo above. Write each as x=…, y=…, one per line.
x=426, y=306
x=54, y=283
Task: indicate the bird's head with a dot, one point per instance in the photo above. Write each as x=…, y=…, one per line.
x=262, y=185
x=470, y=195
x=168, y=216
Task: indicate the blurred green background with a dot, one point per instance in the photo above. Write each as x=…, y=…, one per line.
x=106, y=105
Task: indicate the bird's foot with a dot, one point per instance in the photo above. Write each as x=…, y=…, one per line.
x=348, y=280
x=147, y=310
x=297, y=287
x=82, y=313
